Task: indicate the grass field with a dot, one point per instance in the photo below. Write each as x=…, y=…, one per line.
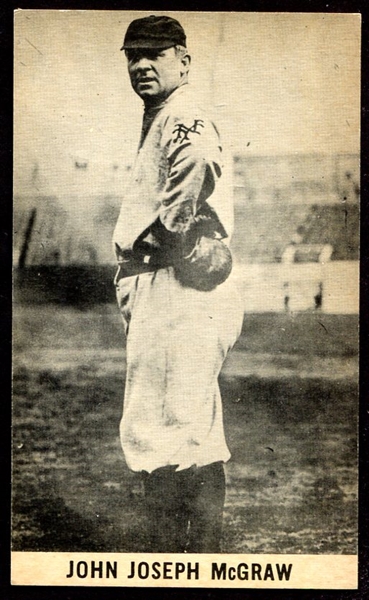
x=290, y=408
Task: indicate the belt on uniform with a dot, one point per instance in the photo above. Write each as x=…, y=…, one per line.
x=130, y=263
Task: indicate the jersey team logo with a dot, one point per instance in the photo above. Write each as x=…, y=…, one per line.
x=183, y=132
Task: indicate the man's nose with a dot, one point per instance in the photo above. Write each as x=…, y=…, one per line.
x=143, y=64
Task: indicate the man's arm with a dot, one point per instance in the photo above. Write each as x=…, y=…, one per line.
x=194, y=167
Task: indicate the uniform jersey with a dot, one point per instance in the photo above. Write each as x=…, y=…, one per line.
x=180, y=165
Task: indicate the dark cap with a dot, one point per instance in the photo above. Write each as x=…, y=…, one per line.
x=154, y=32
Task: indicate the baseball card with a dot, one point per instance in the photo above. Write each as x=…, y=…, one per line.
x=186, y=299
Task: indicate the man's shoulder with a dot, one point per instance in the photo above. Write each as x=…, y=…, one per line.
x=185, y=103
x=185, y=118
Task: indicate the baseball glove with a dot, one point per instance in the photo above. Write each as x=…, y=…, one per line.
x=207, y=261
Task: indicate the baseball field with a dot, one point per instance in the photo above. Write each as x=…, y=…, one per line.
x=290, y=409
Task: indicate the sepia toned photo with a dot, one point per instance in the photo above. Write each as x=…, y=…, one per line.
x=186, y=299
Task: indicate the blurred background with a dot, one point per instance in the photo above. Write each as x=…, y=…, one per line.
x=284, y=89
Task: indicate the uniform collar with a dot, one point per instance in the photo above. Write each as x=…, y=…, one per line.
x=152, y=110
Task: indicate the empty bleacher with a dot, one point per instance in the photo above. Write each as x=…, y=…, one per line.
x=284, y=207
x=263, y=232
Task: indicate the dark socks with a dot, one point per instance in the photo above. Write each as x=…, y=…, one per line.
x=185, y=508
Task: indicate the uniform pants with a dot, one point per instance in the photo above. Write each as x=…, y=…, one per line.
x=185, y=508
x=177, y=341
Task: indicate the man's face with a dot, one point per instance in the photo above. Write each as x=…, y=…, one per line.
x=155, y=73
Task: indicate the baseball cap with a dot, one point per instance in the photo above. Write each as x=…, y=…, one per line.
x=154, y=32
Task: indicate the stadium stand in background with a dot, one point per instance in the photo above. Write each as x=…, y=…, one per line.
x=296, y=239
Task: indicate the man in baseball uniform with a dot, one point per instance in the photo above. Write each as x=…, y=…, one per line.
x=181, y=311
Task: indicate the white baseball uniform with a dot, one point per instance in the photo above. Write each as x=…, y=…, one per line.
x=177, y=336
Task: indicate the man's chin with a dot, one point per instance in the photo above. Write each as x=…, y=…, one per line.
x=151, y=97
x=146, y=93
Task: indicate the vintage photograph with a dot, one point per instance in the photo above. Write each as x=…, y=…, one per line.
x=186, y=287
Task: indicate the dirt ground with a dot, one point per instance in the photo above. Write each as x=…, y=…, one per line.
x=290, y=409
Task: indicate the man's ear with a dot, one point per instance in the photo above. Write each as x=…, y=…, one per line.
x=186, y=61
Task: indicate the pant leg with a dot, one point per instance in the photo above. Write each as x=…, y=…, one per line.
x=205, y=508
